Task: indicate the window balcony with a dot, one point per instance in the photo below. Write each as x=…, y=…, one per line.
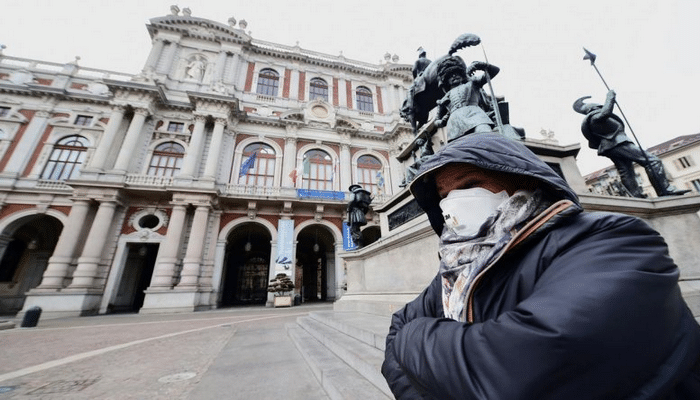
x=148, y=180
x=52, y=185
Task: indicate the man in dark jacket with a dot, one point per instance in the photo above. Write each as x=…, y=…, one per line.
x=536, y=299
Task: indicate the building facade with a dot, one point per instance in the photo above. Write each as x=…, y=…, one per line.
x=679, y=157
x=193, y=183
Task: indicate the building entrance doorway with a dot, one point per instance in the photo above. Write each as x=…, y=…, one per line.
x=247, y=266
x=315, y=270
x=25, y=248
x=138, y=270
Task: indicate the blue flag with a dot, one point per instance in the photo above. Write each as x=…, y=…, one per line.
x=380, y=179
x=248, y=164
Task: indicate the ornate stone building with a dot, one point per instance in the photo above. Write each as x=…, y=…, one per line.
x=191, y=184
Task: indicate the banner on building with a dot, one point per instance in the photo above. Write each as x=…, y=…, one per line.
x=284, y=262
x=348, y=243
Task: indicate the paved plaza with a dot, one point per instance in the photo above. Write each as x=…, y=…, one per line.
x=238, y=353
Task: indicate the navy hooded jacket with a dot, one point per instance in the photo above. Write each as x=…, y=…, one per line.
x=581, y=306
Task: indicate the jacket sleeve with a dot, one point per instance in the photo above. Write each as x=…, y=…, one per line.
x=595, y=325
x=425, y=305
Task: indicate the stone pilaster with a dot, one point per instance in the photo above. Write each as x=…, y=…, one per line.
x=154, y=55
x=126, y=152
x=64, y=253
x=27, y=144
x=290, y=156
x=168, y=254
x=346, y=167
x=105, y=146
x=194, y=151
x=217, y=140
x=88, y=263
x=192, y=263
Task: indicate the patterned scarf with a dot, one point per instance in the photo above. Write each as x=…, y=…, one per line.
x=463, y=257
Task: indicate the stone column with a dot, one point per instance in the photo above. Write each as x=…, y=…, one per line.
x=65, y=250
x=154, y=56
x=346, y=167
x=290, y=156
x=87, y=270
x=194, y=151
x=217, y=140
x=102, y=151
x=169, y=251
x=191, y=265
x=126, y=152
x=27, y=143
x=397, y=171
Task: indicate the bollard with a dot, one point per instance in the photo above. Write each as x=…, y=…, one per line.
x=31, y=317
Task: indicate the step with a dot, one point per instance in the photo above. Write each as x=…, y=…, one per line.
x=364, y=358
x=368, y=328
x=338, y=379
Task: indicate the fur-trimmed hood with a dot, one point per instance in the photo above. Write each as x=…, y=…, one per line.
x=489, y=151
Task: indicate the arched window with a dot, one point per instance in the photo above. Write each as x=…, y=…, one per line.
x=364, y=99
x=318, y=171
x=318, y=89
x=257, y=165
x=66, y=158
x=369, y=174
x=268, y=82
x=166, y=160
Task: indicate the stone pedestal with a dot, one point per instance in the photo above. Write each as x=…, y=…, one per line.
x=61, y=305
x=174, y=301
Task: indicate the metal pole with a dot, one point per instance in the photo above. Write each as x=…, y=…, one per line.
x=592, y=57
x=496, y=111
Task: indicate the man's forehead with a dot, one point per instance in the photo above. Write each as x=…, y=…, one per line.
x=456, y=176
x=457, y=170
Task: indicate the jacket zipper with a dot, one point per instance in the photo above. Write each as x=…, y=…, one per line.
x=522, y=234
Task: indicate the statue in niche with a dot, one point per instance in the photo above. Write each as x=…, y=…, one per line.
x=358, y=206
x=195, y=69
x=605, y=132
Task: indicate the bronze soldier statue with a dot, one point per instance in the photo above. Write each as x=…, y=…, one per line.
x=357, y=208
x=462, y=109
x=605, y=132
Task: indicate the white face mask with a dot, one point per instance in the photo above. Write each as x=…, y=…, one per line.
x=466, y=210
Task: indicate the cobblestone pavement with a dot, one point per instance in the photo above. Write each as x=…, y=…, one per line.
x=239, y=353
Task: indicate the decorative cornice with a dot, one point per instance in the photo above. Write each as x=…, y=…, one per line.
x=198, y=28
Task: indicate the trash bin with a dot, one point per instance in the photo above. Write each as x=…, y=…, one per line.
x=297, y=300
x=31, y=317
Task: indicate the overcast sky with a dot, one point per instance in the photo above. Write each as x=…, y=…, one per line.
x=648, y=50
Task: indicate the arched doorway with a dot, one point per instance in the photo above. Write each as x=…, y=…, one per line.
x=315, y=256
x=246, y=266
x=25, y=248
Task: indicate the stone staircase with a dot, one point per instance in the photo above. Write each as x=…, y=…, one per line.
x=345, y=350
